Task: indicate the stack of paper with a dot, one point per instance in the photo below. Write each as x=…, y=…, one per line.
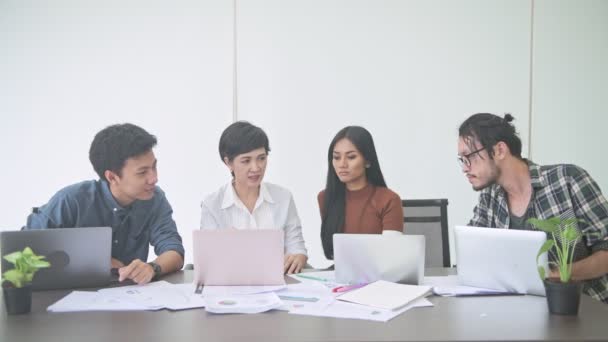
x=386, y=295
x=340, y=309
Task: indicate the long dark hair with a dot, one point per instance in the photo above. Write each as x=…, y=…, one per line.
x=335, y=191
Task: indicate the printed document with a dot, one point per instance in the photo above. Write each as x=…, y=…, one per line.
x=386, y=295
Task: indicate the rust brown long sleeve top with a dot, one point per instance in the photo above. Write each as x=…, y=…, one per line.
x=370, y=210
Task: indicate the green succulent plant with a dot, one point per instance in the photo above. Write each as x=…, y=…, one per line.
x=26, y=265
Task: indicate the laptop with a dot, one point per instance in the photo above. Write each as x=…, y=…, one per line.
x=500, y=259
x=365, y=258
x=79, y=257
x=238, y=257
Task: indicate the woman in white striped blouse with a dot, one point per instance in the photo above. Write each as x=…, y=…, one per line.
x=248, y=203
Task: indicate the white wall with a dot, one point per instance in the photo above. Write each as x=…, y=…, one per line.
x=70, y=68
x=409, y=71
x=570, y=93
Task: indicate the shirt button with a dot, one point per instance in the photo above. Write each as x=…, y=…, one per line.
x=115, y=209
x=115, y=241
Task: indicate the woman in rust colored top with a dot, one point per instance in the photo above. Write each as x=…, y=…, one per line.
x=355, y=198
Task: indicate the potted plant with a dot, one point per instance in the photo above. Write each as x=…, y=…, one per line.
x=16, y=283
x=563, y=295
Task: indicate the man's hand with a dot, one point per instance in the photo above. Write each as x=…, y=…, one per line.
x=294, y=263
x=117, y=263
x=138, y=271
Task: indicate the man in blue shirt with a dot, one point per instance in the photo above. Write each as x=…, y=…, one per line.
x=125, y=198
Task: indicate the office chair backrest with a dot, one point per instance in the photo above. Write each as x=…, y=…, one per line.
x=429, y=217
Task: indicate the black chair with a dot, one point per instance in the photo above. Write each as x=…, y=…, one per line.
x=429, y=217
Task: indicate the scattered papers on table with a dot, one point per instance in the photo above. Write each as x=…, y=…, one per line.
x=309, y=297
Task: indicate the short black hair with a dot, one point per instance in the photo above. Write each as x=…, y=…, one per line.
x=113, y=145
x=490, y=129
x=241, y=137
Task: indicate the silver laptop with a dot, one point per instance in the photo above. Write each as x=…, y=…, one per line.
x=238, y=257
x=79, y=257
x=365, y=258
x=501, y=259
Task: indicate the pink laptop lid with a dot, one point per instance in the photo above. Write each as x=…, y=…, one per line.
x=238, y=257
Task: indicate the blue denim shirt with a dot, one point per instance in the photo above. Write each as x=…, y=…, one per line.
x=91, y=204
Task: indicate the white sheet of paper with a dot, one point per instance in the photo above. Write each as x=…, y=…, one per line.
x=179, y=297
x=305, y=295
x=340, y=309
x=239, y=290
x=147, y=295
x=78, y=301
x=152, y=296
x=251, y=303
x=385, y=294
x=160, y=294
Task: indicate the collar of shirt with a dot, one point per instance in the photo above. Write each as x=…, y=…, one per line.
x=109, y=199
x=231, y=198
x=536, y=178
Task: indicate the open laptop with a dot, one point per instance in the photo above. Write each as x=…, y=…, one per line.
x=365, y=258
x=501, y=259
x=238, y=257
x=79, y=257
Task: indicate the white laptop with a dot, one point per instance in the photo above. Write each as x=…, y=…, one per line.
x=79, y=257
x=501, y=259
x=238, y=257
x=365, y=258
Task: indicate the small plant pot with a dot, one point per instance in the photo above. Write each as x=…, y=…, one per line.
x=563, y=298
x=17, y=300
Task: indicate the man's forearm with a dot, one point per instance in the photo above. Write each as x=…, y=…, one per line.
x=593, y=266
x=170, y=261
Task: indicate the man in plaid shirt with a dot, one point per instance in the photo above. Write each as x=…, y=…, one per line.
x=514, y=189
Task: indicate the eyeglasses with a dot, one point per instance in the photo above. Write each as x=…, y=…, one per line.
x=464, y=159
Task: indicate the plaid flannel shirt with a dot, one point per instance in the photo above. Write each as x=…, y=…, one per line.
x=558, y=190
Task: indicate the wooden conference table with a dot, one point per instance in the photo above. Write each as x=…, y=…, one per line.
x=506, y=318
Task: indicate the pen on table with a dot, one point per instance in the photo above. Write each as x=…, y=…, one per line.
x=311, y=277
x=301, y=299
x=347, y=288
